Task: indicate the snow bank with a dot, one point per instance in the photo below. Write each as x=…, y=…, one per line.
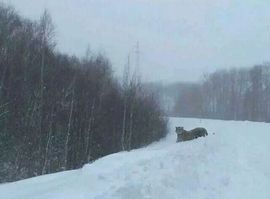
x=232, y=163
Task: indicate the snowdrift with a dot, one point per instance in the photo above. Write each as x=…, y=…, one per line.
x=233, y=161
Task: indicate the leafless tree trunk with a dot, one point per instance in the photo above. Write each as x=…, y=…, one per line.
x=46, y=35
x=130, y=126
x=69, y=128
x=124, y=126
x=90, y=132
x=48, y=145
x=125, y=88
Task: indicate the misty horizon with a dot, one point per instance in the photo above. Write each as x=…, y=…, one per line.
x=180, y=41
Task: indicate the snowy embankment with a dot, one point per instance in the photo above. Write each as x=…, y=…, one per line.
x=233, y=163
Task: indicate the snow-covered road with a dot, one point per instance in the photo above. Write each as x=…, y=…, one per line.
x=233, y=163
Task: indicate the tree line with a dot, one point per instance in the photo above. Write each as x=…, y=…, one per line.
x=235, y=94
x=58, y=112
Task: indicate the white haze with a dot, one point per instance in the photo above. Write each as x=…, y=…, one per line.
x=179, y=40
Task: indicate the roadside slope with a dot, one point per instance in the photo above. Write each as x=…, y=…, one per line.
x=232, y=163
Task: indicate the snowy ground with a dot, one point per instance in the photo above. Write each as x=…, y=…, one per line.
x=233, y=164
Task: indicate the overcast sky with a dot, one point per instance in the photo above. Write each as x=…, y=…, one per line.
x=179, y=39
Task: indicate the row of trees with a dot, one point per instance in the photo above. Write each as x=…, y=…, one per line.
x=59, y=112
x=235, y=94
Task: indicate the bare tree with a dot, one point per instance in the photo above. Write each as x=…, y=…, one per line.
x=68, y=135
x=49, y=139
x=125, y=89
x=89, y=137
